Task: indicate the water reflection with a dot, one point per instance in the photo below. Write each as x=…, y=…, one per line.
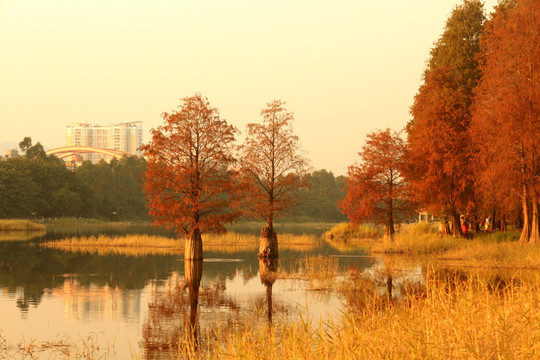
x=268, y=275
x=173, y=324
x=29, y=271
x=21, y=235
x=193, y=274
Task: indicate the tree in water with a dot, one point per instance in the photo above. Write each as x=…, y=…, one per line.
x=375, y=186
x=188, y=182
x=506, y=122
x=273, y=168
x=439, y=155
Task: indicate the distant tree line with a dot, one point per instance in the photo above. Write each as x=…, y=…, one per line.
x=319, y=200
x=40, y=186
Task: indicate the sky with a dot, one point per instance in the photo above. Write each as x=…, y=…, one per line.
x=344, y=68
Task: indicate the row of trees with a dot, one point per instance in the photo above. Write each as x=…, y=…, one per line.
x=195, y=182
x=473, y=142
x=40, y=186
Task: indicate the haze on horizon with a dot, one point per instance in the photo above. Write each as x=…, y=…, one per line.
x=344, y=68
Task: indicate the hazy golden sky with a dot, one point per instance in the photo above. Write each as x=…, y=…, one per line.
x=345, y=68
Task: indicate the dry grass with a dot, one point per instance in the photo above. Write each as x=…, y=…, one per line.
x=495, y=255
x=131, y=245
x=21, y=225
x=418, y=243
x=139, y=245
x=346, y=232
x=460, y=318
x=320, y=271
x=89, y=347
x=492, y=250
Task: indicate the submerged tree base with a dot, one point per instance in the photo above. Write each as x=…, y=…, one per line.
x=268, y=244
x=193, y=248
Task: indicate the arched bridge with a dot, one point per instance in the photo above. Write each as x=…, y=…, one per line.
x=67, y=151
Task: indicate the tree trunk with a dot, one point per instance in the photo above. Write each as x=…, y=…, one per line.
x=268, y=243
x=456, y=224
x=535, y=234
x=389, y=229
x=492, y=225
x=193, y=249
x=503, y=222
x=526, y=232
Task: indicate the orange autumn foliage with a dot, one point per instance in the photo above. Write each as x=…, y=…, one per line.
x=273, y=168
x=439, y=154
x=188, y=182
x=272, y=163
x=375, y=186
x=506, y=122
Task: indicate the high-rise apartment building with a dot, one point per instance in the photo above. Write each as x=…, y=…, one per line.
x=124, y=136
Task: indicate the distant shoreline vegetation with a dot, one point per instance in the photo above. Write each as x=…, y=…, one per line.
x=21, y=225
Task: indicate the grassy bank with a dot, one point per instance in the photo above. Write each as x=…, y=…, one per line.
x=494, y=249
x=21, y=225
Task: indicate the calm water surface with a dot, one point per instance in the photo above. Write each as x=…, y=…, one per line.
x=135, y=305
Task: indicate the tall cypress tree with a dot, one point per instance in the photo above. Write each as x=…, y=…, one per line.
x=439, y=152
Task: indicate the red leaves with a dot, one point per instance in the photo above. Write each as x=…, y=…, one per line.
x=375, y=187
x=439, y=155
x=506, y=122
x=271, y=163
x=187, y=182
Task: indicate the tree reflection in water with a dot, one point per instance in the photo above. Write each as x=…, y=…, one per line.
x=268, y=274
x=173, y=325
x=168, y=328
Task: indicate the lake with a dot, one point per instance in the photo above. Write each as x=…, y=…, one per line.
x=135, y=306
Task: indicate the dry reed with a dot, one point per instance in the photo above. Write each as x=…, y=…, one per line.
x=90, y=347
x=21, y=225
x=460, y=318
x=131, y=245
x=139, y=245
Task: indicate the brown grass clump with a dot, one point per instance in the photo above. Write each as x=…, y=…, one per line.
x=131, y=245
x=89, y=347
x=320, y=271
x=346, y=232
x=21, y=225
x=418, y=243
x=139, y=245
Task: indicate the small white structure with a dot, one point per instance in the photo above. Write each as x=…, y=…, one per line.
x=425, y=217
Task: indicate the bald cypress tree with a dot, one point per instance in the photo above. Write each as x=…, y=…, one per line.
x=438, y=144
